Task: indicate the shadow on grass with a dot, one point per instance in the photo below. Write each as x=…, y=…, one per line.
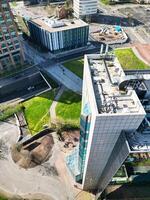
x=69, y=97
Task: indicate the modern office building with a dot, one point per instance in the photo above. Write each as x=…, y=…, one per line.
x=83, y=8
x=113, y=121
x=59, y=35
x=11, y=53
x=41, y=2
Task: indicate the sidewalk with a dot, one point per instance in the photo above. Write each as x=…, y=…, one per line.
x=54, y=104
x=65, y=77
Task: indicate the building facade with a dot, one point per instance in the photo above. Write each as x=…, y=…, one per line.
x=106, y=114
x=59, y=35
x=83, y=8
x=112, y=121
x=11, y=54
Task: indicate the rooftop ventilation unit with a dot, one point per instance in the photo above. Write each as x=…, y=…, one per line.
x=53, y=23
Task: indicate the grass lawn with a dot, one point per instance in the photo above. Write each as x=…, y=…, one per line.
x=37, y=111
x=106, y=2
x=8, y=111
x=51, y=81
x=128, y=59
x=2, y=198
x=120, y=172
x=76, y=66
x=145, y=162
x=69, y=107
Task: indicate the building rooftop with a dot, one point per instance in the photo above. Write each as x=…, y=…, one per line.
x=54, y=24
x=139, y=142
x=107, y=74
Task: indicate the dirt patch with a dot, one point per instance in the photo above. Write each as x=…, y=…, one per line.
x=144, y=51
x=33, y=154
x=69, y=138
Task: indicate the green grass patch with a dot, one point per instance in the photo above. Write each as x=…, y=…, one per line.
x=37, y=111
x=2, y=198
x=51, y=81
x=69, y=107
x=76, y=66
x=120, y=172
x=145, y=162
x=128, y=59
x=8, y=111
x=106, y=2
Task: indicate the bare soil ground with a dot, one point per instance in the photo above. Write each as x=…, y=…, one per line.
x=34, y=153
x=144, y=51
x=70, y=139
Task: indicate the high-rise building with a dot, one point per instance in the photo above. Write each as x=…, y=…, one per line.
x=11, y=54
x=59, y=35
x=112, y=121
x=83, y=8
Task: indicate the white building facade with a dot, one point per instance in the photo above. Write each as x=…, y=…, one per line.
x=84, y=8
x=107, y=113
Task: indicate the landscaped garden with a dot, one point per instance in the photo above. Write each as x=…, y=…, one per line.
x=36, y=111
x=76, y=66
x=68, y=108
x=128, y=59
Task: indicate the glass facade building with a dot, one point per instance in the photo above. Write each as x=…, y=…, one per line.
x=108, y=115
x=11, y=53
x=69, y=36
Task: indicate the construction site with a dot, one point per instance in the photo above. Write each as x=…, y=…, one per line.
x=37, y=160
x=110, y=35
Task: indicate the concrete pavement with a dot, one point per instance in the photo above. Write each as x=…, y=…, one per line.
x=65, y=77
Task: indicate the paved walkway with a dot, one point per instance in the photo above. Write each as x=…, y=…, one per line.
x=54, y=104
x=57, y=71
x=65, y=77
x=142, y=51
